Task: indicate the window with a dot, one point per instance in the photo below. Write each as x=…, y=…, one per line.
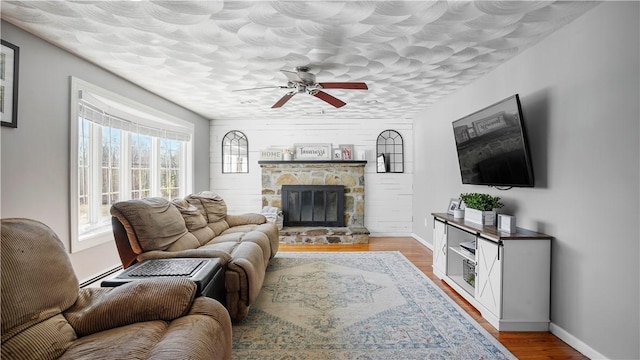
x=123, y=150
x=170, y=151
x=235, y=152
x=140, y=166
x=390, y=152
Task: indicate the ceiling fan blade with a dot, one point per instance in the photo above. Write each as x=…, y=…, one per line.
x=292, y=75
x=263, y=87
x=344, y=85
x=283, y=100
x=328, y=98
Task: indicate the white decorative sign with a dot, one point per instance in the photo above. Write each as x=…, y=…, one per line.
x=313, y=151
x=271, y=154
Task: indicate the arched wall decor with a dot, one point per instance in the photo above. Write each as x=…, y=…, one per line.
x=235, y=152
x=390, y=152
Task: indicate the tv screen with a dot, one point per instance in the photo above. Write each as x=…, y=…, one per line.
x=492, y=146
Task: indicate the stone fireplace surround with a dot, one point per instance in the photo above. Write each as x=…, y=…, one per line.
x=350, y=174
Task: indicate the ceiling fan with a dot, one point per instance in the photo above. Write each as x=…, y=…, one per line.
x=302, y=80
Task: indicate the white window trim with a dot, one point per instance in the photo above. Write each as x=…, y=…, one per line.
x=143, y=115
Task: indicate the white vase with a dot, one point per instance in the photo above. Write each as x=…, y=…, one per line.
x=480, y=217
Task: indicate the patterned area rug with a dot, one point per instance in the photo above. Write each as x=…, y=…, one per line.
x=358, y=305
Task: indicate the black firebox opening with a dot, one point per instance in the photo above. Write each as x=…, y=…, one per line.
x=313, y=205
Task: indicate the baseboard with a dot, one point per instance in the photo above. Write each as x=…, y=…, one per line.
x=412, y=235
x=93, y=280
x=574, y=342
x=422, y=241
x=383, y=234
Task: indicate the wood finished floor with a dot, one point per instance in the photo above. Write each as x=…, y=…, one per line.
x=524, y=345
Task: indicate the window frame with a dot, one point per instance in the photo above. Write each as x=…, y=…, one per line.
x=390, y=150
x=234, y=136
x=138, y=114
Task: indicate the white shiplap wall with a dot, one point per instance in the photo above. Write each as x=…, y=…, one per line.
x=388, y=196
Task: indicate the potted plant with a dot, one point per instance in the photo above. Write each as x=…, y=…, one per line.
x=480, y=208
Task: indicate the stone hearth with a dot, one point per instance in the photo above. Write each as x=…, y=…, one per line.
x=324, y=235
x=350, y=174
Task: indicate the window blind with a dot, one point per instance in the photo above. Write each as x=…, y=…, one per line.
x=95, y=113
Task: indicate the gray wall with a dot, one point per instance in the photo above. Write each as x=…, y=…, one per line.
x=35, y=156
x=579, y=89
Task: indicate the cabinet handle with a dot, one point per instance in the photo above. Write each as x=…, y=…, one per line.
x=500, y=244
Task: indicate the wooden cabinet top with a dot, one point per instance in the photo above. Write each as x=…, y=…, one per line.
x=490, y=231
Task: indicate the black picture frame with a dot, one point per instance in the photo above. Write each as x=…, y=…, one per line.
x=9, y=70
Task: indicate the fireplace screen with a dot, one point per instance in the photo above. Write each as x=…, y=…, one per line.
x=313, y=205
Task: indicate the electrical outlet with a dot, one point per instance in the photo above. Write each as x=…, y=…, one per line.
x=426, y=222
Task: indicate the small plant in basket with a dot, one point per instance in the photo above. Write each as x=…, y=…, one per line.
x=480, y=208
x=482, y=202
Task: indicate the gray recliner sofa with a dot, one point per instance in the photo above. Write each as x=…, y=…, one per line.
x=199, y=226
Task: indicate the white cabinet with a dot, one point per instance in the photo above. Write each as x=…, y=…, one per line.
x=506, y=277
x=439, y=247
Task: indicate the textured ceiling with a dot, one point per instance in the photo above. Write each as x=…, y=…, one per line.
x=410, y=54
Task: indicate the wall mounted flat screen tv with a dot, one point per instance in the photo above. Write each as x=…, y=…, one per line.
x=492, y=146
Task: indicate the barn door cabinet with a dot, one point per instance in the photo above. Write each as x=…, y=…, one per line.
x=505, y=276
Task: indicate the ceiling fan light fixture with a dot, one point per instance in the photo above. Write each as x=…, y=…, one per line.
x=301, y=81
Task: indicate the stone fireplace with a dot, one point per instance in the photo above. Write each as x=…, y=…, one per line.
x=348, y=174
